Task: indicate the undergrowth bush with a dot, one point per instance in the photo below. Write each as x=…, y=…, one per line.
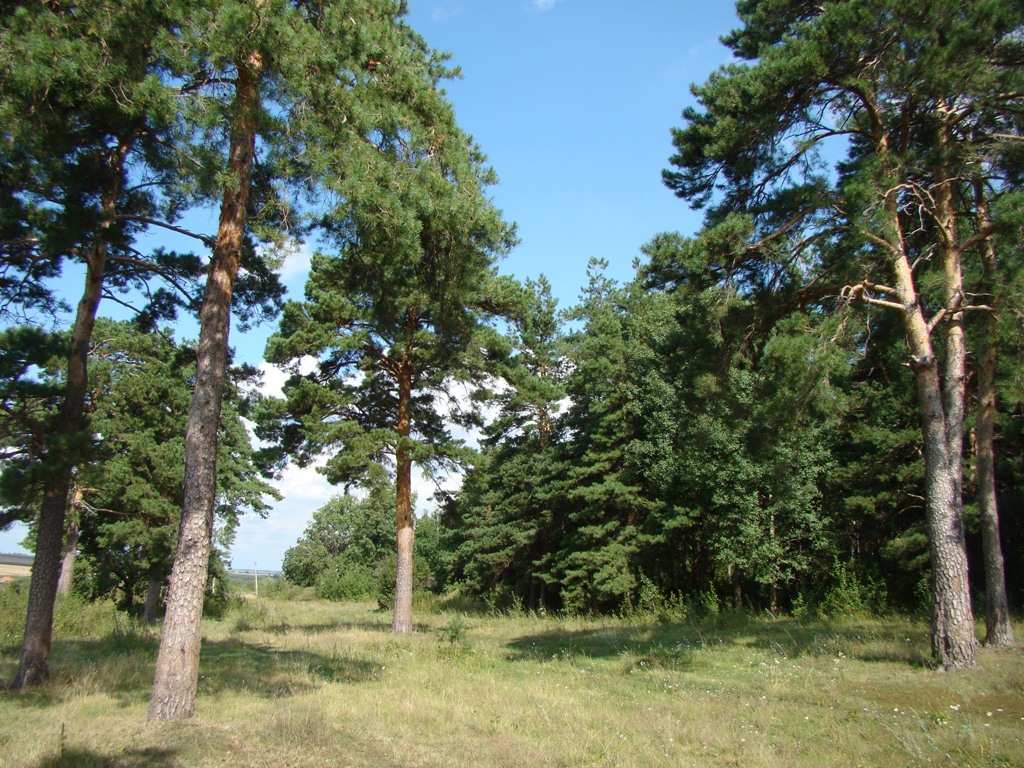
x=350, y=582
x=73, y=616
x=247, y=613
x=453, y=638
x=651, y=603
x=851, y=596
x=279, y=588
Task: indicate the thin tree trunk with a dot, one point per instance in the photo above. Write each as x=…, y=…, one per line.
x=34, y=663
x=152, y=605
x=954, y=371
x=67, y=566
x=998, y=627
x=402, y=622
x=177, y=665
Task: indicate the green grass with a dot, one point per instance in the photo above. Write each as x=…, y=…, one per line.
x=318, y=684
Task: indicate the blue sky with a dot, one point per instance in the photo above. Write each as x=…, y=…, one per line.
x=572, y=101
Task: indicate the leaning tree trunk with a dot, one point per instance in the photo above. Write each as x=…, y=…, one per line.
x=67, y=566
x=402, y=621
x=34, y=663
x=998, y=627
x=177, y=664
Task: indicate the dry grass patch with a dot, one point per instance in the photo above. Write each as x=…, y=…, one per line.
x=318, y=684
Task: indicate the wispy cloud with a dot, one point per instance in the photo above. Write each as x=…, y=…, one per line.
x=446, y=11
x=544, y=5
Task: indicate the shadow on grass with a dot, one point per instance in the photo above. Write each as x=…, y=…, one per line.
x=381, y=627
x=236, y=665
x=672, y=645
x=124, y=669
x=142, y=758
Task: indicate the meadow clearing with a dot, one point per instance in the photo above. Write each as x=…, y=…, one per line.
x=288, y=683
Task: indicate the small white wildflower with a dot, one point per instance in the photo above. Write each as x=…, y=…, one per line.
x=955, y=707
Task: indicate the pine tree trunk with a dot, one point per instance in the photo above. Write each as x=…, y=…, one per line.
x=998, y=627
x=152, y=605
x=67, y=566
x=34, y=663
x=954, y=644
x=954, y=372
x=402, y=621
x=177, y=665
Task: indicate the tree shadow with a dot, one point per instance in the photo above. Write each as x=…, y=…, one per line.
x=124, y=670
x=234, y=664
x=284, y=627
x=673, y=645
x=130, y=758
x=638, y=646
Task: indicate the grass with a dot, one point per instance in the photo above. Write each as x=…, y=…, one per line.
x=306, y=684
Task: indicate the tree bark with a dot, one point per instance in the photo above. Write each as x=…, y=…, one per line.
x=67, y=566
x=998, y=627
x=152, y=605
x=954, y=372
x=402, y=621
x=177, y=665
x=34, y=663
x=954, y=644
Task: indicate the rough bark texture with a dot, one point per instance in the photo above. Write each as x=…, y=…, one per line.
x=67, y=566
x=34, y=663
x=152, y=605
x=954, y=373
x=998, y=627
x=177, y=666
x=954, y=644
x=402, y=621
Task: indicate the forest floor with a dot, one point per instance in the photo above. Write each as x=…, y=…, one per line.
x=312, y=683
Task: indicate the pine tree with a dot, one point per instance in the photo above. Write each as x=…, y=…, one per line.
x=73, y=135
x=318, y=90
x=913, y=97
x=394, y=319
x=503, y=524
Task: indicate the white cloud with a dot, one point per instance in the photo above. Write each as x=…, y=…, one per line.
x=544, y=5
x=274, y=377
x=296, y=258
x=305, y=483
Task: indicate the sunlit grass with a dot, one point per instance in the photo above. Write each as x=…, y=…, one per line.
x=320, y=684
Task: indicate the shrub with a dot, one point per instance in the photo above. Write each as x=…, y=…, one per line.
x=652, y=603
x=346, y=581
x=850, y=596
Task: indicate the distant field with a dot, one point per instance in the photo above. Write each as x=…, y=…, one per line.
x=14, y=570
